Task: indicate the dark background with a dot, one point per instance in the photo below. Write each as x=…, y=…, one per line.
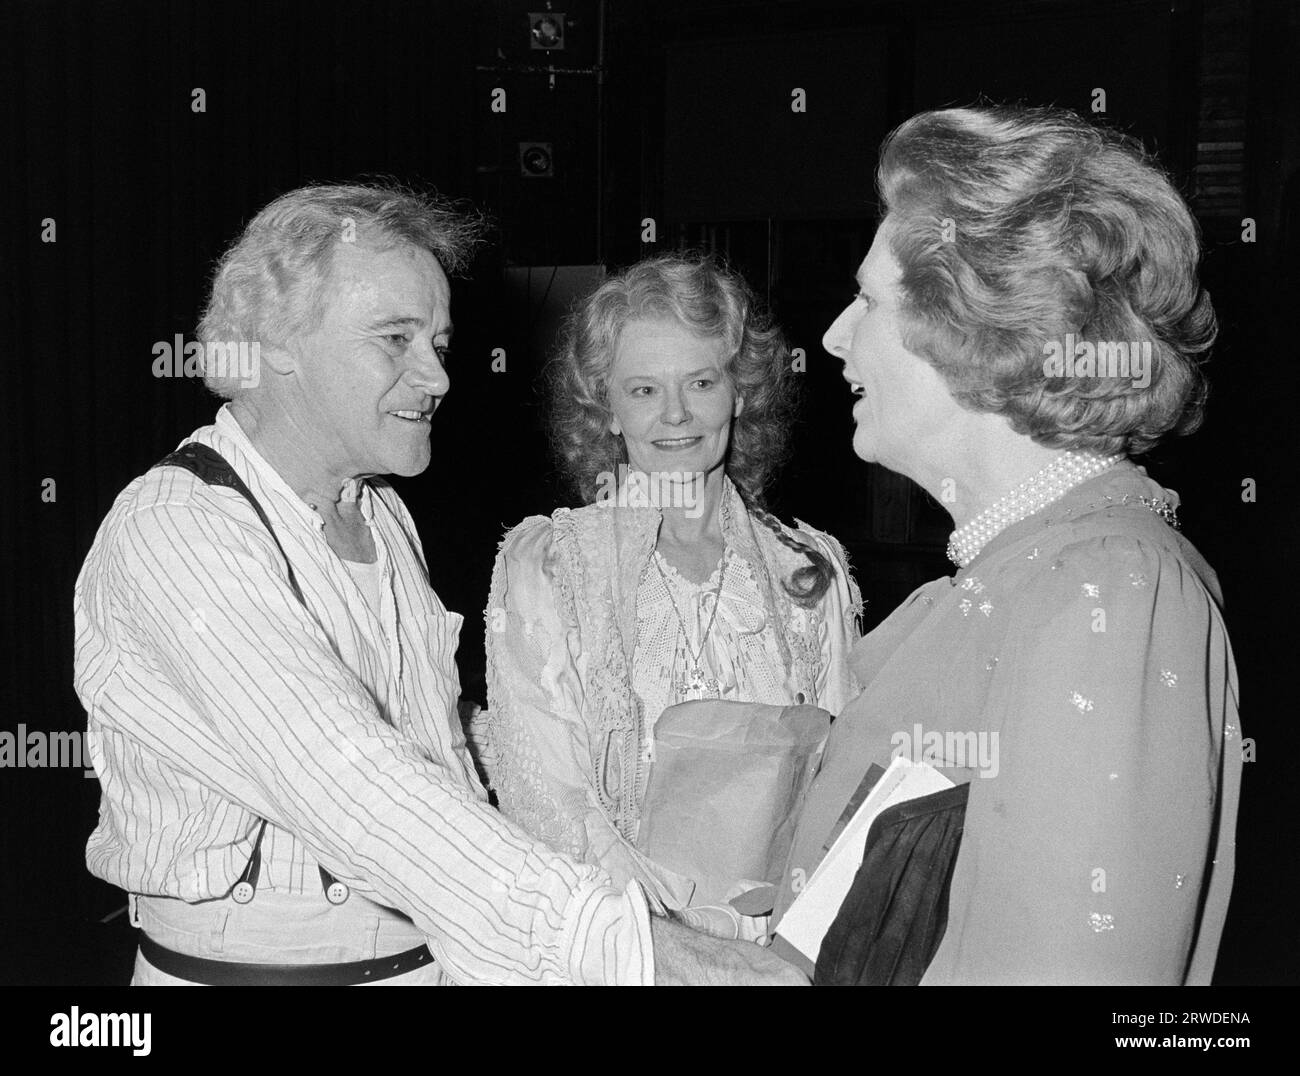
x=675, y=111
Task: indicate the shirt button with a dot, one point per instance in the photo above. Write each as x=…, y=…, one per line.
x=337, y=893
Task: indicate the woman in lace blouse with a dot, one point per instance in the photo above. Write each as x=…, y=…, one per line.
x=1027, y=319
x=671, y=405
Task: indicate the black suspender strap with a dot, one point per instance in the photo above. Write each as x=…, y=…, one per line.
x=212, y=468
x=247, y=884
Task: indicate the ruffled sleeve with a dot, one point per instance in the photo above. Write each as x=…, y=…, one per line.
x=539, y=759
x=533, y=723
x=1088, y=840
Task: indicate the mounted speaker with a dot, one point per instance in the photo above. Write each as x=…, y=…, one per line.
x=536, y=160
x=546, y=30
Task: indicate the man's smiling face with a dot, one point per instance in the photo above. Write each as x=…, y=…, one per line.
x=368, y=378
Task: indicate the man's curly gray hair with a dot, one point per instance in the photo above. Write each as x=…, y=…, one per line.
x=268, y=285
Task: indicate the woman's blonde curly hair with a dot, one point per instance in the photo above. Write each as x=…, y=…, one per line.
x=716, y=304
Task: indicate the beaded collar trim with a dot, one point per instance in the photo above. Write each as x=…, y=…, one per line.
x=1033, y=495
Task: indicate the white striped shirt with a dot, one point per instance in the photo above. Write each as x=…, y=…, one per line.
x=214, y=699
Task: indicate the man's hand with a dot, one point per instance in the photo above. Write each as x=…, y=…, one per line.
x=684, y=957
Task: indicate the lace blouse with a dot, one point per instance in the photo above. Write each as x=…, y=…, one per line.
x=585, y=652
x=736, y=645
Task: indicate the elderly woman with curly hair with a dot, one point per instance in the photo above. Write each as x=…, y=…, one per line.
x=1027, y=320
x=671, y=408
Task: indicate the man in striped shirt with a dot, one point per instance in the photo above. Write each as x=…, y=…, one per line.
x=270, y=680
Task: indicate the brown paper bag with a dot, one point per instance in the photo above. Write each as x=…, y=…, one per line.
x=724, y=790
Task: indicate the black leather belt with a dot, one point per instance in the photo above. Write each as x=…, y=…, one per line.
x=206, y=972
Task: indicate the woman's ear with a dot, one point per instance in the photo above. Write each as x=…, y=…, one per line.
x=740, y=406
x=614, y=427
x=279, y=360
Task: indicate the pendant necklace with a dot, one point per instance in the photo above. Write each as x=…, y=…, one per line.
x=698, y=686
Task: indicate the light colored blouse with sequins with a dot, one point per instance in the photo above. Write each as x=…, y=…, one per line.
x=1079, y=675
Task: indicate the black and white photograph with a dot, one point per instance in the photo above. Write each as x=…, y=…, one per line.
x=609, y=493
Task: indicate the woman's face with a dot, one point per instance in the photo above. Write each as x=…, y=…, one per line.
x=670, y=398
x=904, y=405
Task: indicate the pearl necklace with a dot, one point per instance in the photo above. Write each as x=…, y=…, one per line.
x=1033, y=495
